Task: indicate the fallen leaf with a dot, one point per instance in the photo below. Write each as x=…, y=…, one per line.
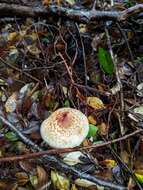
x=109, y=163
x=13, y=54
x=11, y=136
x=92, y=131
x=103, y=129
x=84, y=183
x=22, y=178
x=7, y=184
x=59, y=182
x=74, y=187
x=11, y=103
x=43, y=181
x=139, y=177
x=26, y=89
x=139, y=110
x=67, y=103
x=33, y=49
x=72, y=158
x=105, y=61
x=82, y=28
x=71, y=2
x=92, y=120
x=95, y=102
x=140, y=89
x=12, y=36
x=34, y=180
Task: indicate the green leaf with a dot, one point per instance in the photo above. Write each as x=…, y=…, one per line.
x=139, y=177
x=105, y=61
x=11, y=136
x=66, y=103
x=92, y=131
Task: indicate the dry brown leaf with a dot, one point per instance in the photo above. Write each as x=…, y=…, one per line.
x=7, y=184
x=11, y=103
x=22, y=178
x=48, y=2
x=103, y=129
x=12, y=36
x=43, y=182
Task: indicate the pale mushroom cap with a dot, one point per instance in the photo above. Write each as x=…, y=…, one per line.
x=65, y=128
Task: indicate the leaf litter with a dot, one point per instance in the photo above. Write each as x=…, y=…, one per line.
x=99, y=73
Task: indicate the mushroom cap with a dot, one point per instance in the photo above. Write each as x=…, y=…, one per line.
x=65, y=128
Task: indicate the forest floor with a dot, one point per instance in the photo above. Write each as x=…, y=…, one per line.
x=86, y=55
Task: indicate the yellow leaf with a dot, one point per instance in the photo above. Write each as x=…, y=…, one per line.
x=82, y=28
x=74, y=187
x=139, y=177
x=86, y=142
x=95, y=102
x=22, y=33
x=12, y=36
x=60, y=182
x=109, y=163
x=33, y=49
x=33, y=180
x=92, y=120
x=84, y=183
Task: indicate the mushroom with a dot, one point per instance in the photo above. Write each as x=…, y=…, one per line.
x=65, y=128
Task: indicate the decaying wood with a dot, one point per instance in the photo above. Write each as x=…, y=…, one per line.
x=82, y=16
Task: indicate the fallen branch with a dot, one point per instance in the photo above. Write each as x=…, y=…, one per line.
x=54, y=162
x=83, y=16
x=66, y=150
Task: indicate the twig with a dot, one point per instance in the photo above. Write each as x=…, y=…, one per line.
x=126, y=40
x=118, y=80
x=58, y=151
x=67, y=68
x=126, y=168
x=84, y=61
x=59, y=164
x=19, y=70
x=23, y=137
x=82, y=16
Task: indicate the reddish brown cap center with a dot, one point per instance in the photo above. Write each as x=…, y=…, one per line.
x=64, y=119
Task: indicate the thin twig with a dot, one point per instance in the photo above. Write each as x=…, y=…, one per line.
x=126, y=40
x=118, y=80
x=19, y=70
x=84, y=61
x=59, y=164
x=58, y=151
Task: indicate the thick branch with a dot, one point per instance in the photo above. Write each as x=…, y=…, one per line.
x=83, y=16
